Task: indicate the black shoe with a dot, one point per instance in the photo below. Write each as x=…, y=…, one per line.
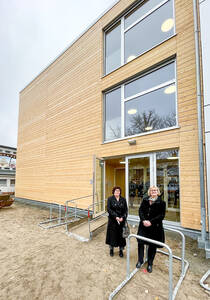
x=121, y=253
x=149, y=268
x=138, y=265
x=111, y=252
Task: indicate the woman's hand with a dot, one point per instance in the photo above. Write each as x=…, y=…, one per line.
x=119, y=219
x=146, y=223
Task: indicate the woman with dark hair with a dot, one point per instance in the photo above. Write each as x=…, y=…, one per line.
x=151, y=212
x=117, y=209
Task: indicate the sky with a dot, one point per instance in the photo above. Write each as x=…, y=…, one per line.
x=32, y=34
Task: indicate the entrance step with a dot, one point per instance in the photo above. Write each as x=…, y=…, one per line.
x=84, y=231
x=98, y=223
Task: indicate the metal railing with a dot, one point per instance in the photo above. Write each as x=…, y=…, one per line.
x=71, y=214
x=129, y=275
x=93, y=212
x=92, y=216
x=58, y=220
x=73, y=211
x=205, y=286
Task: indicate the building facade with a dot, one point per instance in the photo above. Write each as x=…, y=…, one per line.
x=7, y=169
x=117, y=107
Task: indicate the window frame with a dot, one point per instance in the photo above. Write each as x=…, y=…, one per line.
x=5, y=180
x=121, y=19
x=124, y=100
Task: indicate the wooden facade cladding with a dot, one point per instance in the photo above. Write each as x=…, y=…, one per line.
x=61, y=117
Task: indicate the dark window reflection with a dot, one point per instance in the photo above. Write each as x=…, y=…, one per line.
x=113, y=115
x=152, y=79
x=140, y=11
x=150, y=31
x=113, y=48
x=153, y=111
x=139, y=182
x=168, y=182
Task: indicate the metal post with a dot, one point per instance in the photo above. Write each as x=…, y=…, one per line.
x=75, y=212
x=59, y=218
x=200, y=128
x=183, y=247
x=50, y=212
x=128, y=257
x=183, y=253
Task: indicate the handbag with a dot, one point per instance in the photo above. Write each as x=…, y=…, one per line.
x=126, y=230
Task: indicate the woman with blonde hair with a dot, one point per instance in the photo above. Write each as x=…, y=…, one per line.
x=151, y=213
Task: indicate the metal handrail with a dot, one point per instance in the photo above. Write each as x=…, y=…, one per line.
x=172, y=293
x=205, y=286
x=93, y=205
x=89, y=213
x=183, y=245
x=44, y=225
x=75, y=207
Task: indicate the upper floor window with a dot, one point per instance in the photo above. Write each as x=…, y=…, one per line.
x=3, y=182
x=144, y=27
x=12, y=181
x=145, y=104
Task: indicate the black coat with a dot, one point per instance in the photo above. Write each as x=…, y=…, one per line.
x=114, y=230
x=155, y=213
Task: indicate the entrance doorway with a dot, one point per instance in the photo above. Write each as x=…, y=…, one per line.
x=136, y=173
x=115, y=175
x=139, y=177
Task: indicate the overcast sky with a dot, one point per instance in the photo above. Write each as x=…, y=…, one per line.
x=32, y=34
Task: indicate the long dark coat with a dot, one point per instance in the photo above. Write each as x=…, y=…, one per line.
x=114, y=230
x=155, y=213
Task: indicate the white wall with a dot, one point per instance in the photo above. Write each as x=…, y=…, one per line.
x=205, y=40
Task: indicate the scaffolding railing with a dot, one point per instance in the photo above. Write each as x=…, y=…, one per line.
x=184, y=264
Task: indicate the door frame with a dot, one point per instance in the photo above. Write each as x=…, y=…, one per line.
x=153, y=177
x=103, y=182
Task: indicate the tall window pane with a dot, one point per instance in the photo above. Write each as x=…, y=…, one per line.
x=113, y=115
x=152, y=79
x=140, y=11
x=152, y=111
x=168, y=181
x=151, y=31
x=113, y=48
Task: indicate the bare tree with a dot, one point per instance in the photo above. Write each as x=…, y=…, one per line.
x=141, y=122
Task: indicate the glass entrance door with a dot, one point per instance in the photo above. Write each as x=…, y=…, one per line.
x=161, y=169
x=140, y=174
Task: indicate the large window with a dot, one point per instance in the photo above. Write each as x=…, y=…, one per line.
x=168, y=182
x=145, y=26
x=143, y=105
x=113, y=115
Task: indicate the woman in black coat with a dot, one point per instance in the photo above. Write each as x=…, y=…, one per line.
x=151, y=212
x=117, y=209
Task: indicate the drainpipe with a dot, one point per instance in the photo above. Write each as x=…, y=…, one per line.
x=202, y=239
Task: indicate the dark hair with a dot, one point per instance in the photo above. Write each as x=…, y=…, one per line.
x=116, y=188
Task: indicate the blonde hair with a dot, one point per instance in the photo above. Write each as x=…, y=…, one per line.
x=153, y=187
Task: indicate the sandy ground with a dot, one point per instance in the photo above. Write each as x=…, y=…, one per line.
x=47, y=264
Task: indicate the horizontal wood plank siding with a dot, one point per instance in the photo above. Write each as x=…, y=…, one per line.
x=61, y=118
